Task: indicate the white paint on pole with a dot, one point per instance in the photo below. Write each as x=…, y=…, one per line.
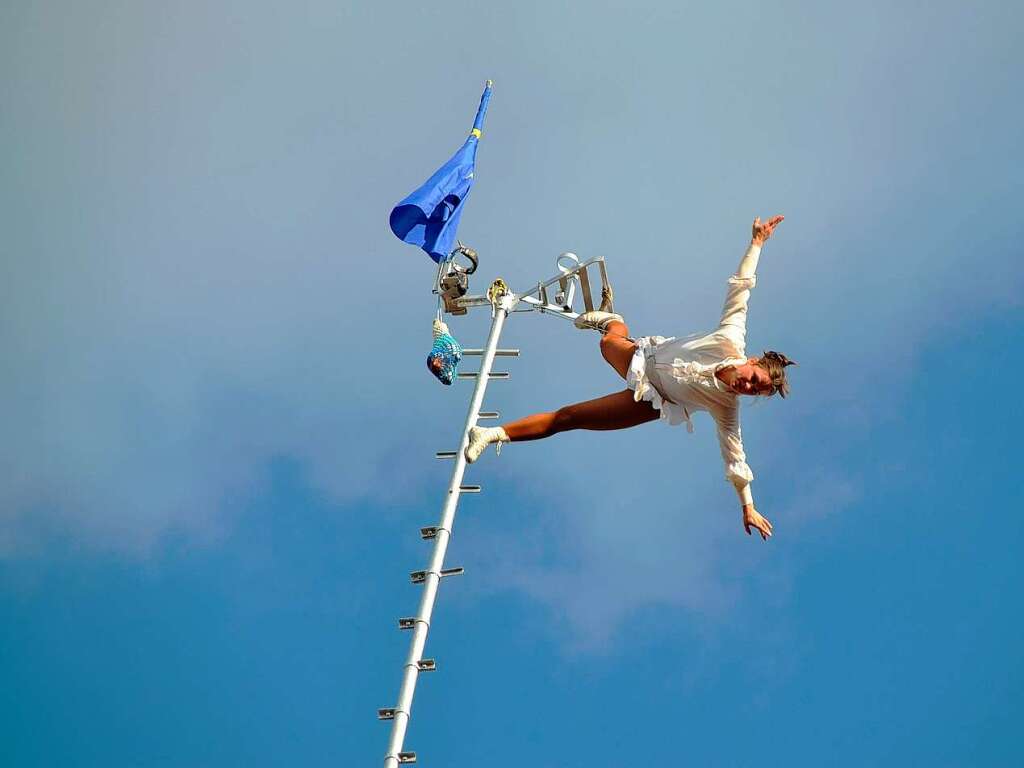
x=403, y=708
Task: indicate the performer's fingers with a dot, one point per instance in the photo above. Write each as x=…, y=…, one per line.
x=746, y=527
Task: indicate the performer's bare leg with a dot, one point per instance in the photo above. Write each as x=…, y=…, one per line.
x=618, y=411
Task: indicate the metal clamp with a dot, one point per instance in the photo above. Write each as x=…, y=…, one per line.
x=453, y=279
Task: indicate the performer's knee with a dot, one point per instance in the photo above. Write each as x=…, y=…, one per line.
x=612, y=343
x=564, y=420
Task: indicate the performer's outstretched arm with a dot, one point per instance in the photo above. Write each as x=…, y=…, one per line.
x=737, y=470
x=734, y=312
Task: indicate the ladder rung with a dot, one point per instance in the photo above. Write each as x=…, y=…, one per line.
x=470, y=489
x=446, y=454
x=407, y=623
x=497, y=352
x=488, y=415
x=453, y=571
x=386, y=714
x=407, y=757
x=475, y=374
x=428, y=532
x=418, y=577
x=426, y=665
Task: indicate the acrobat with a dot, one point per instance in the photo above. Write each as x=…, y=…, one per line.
x=671, y=379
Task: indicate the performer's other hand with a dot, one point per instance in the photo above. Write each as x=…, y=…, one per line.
x=753, y=519
x=762, y=231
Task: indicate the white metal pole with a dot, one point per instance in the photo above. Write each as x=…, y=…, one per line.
x=403, y=708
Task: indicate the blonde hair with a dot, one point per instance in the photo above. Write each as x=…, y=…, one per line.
x=775, y=363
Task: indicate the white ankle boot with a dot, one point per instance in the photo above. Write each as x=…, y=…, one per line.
x=596, y=319
x=480, y=438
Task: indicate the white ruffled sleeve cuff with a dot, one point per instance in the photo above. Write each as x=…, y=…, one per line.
x=738, y=473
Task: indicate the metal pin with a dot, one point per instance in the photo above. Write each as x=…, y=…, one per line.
x=407, y=623
x=407, y=757
x=446, y=454
x=470, y=488
x=428, y=532
x=386, y=714
x=426, y=665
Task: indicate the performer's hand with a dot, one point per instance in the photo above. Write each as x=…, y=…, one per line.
x=753, y=519
x=762, y=231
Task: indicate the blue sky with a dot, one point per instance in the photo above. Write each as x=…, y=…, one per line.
x=219, y=433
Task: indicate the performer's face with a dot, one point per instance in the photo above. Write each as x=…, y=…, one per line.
x=751, y=379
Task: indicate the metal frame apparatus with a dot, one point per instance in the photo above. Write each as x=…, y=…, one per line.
x=556, y=296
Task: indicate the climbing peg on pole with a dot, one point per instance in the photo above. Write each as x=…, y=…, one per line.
x=474, y=374
x=497, y=352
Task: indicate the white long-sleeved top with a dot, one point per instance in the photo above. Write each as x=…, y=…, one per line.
x=677, y=375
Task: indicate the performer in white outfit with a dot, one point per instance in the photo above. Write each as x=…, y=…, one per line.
x=672, y=378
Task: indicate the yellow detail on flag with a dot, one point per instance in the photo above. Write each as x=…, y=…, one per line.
x=476, y=132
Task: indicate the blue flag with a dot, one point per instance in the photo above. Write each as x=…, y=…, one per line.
x=429, y=217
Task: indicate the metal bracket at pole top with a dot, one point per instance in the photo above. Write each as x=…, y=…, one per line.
x=556, y=296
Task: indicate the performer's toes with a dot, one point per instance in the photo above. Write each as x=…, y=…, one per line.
x=607, y=299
